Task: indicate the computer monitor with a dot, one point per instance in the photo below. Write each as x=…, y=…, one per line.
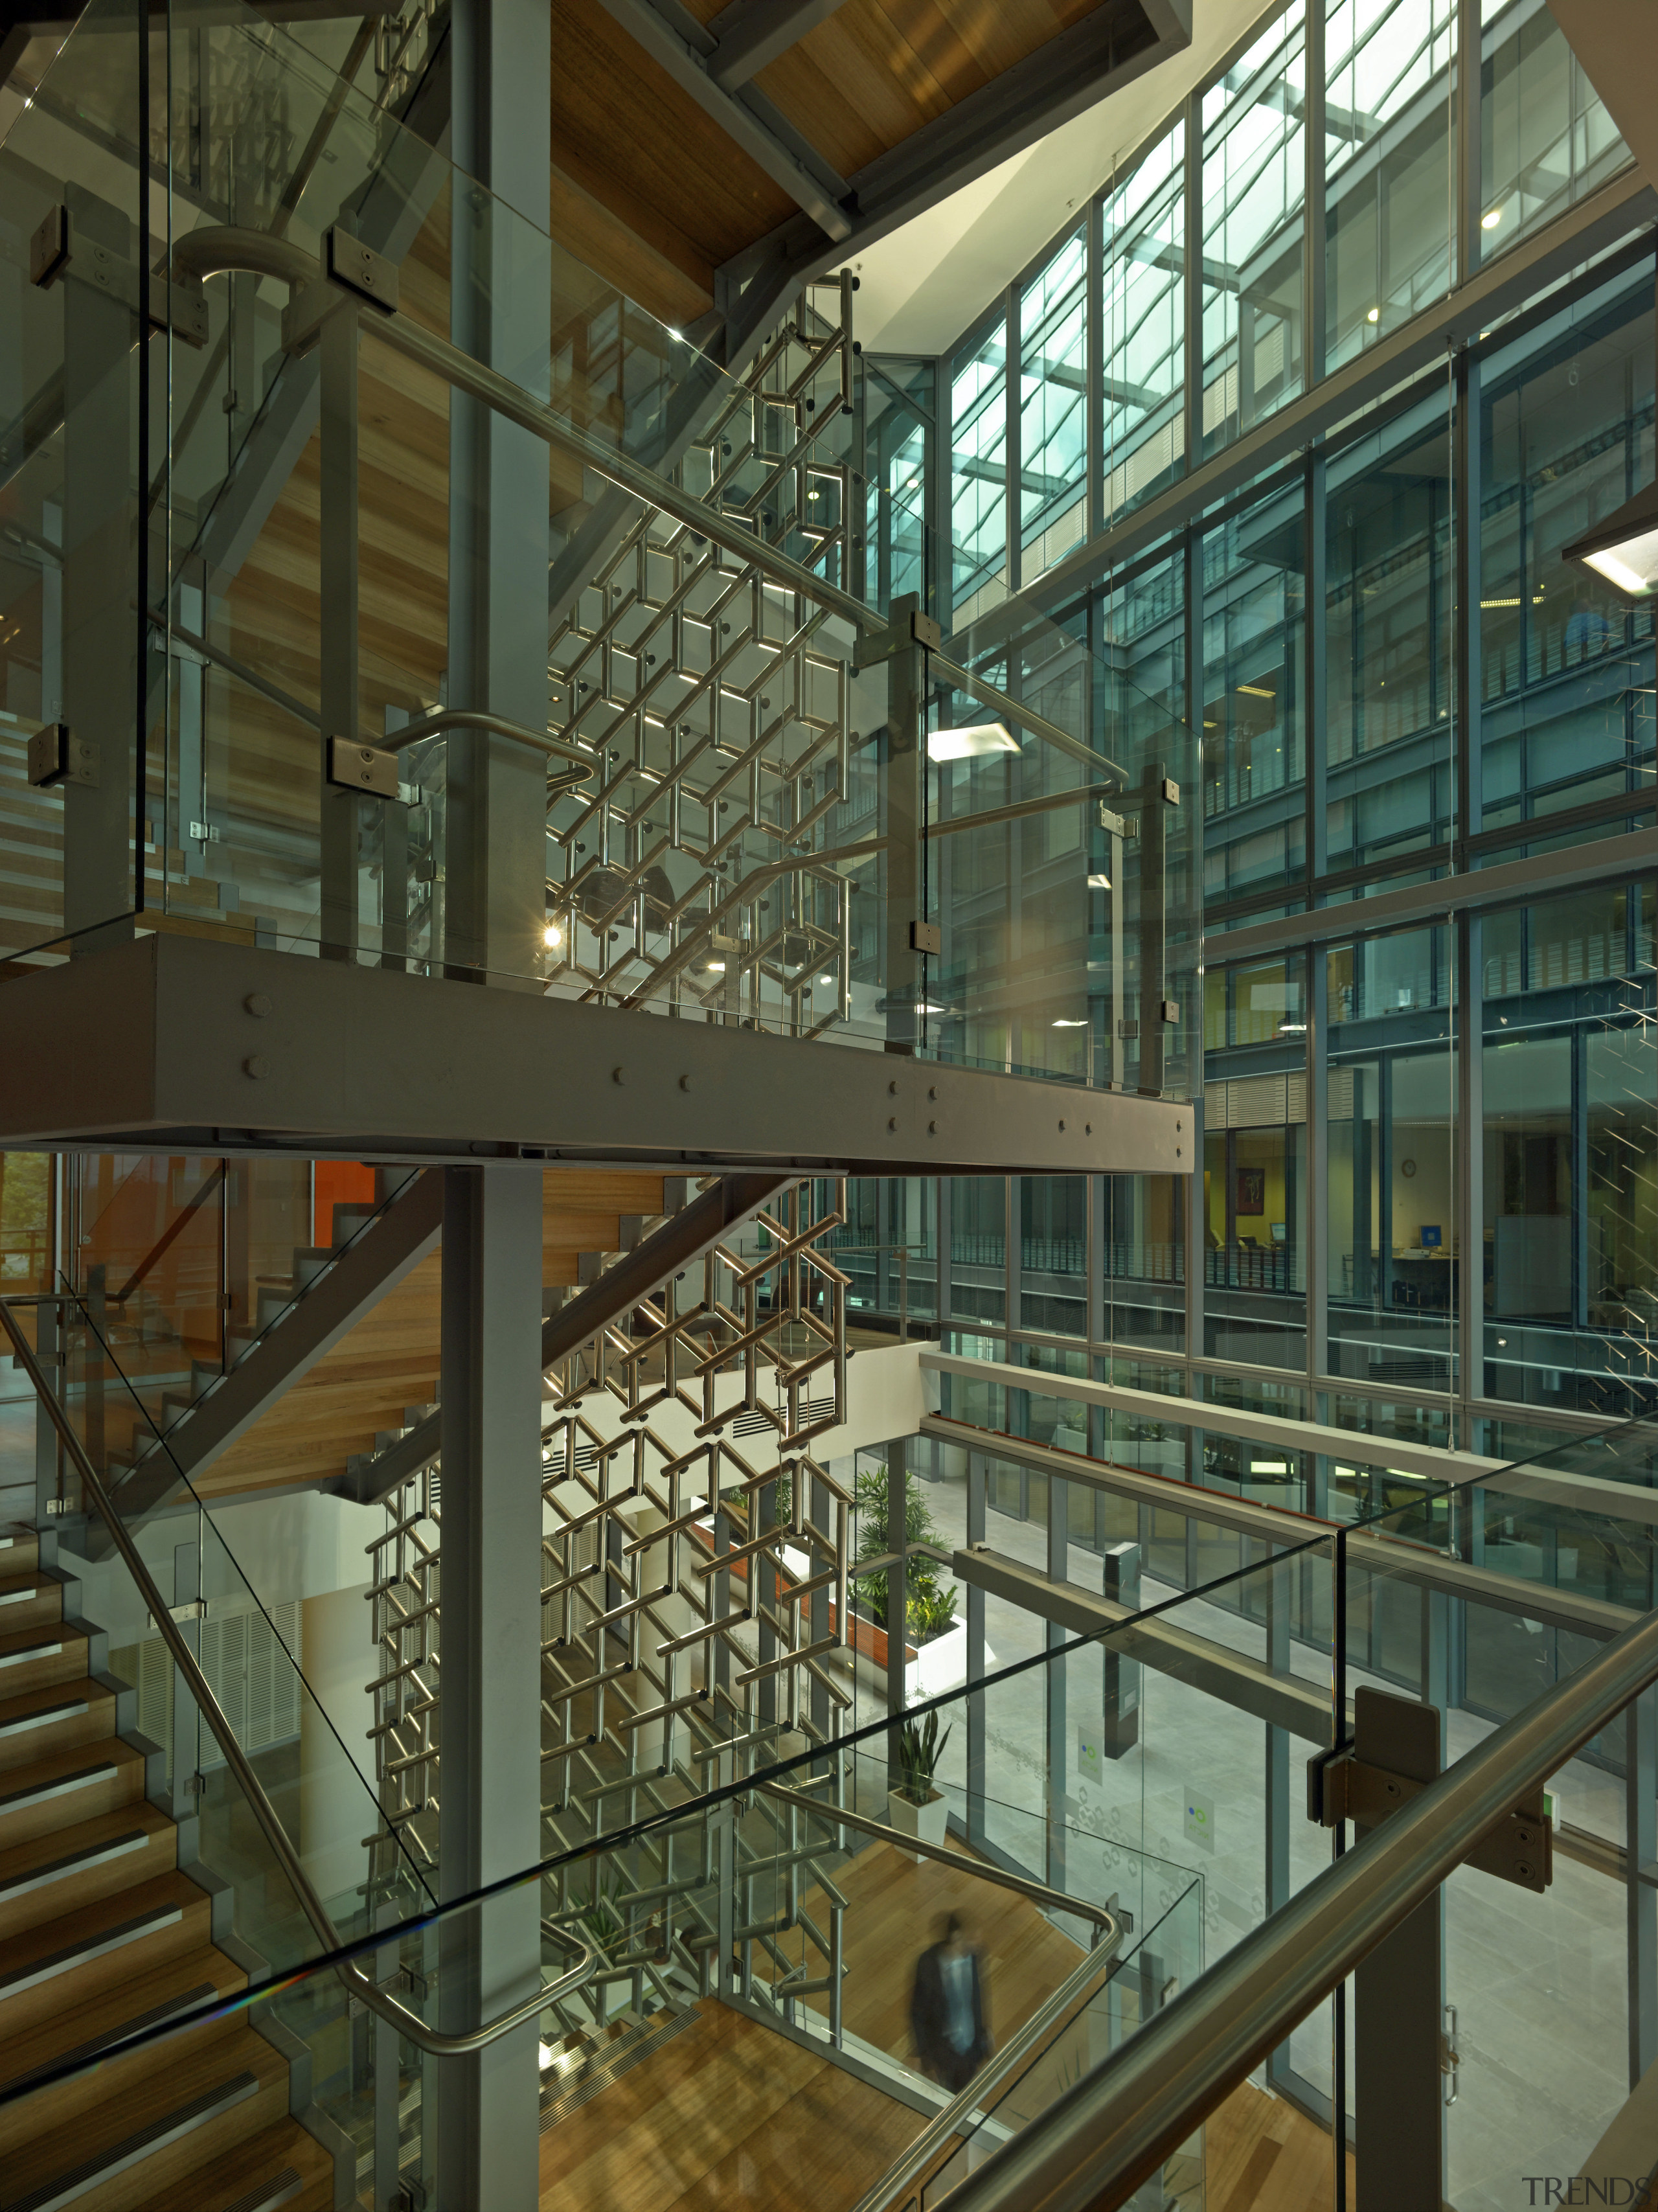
x=1280, y=1230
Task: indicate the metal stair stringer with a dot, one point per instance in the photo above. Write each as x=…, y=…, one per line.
x=406, y=1231
x=685, y=1236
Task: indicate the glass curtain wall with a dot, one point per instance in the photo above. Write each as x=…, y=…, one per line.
x=1428, y=1135
x=1325, y=185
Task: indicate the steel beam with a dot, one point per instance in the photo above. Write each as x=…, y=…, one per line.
x=130, y=1047
x=1573, y=1611
x=752, y=33
x=818, y=197
x=1508, y=882
x=1244, y=1684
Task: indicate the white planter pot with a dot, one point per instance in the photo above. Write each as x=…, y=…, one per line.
x=925, y=1822
x=937, y=1667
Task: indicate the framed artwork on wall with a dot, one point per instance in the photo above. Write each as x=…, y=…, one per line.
x=1250, y=1196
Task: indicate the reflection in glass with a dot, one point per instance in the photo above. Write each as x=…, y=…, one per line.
x=1254, y=179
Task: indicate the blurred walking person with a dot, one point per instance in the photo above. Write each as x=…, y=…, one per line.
x=949, y=2013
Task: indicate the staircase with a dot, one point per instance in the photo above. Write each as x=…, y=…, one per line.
x=109, y=1926
x=323, y=1415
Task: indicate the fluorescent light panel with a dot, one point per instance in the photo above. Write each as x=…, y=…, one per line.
x=972, y=742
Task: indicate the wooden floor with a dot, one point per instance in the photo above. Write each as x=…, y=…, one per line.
x=730, y=2114
x=895, y=1906
x=1262, y=2155
x=727, y=2118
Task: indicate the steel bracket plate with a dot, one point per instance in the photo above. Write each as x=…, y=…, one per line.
x=55, y=249
x=359, y=268
x=362, y=767
x=55, y=756
x=1518, y=1849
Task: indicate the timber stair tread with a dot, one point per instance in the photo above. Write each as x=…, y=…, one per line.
x=62, y=1870
x=203, y=2095
x=28, y=1601
x=70, y=1781
x=258, y=2176
x=192, y=1976
x=102, y=1943
x=20, y=1550
x=52, y=1716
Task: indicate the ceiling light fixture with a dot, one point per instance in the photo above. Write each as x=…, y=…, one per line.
x=1622, y=549
x=1491, y=217
x=972, y=742
x=1099, y=881
x=1375, y=315
x=1068, y=1022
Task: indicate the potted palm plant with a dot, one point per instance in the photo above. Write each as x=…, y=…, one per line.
x=914, y=1805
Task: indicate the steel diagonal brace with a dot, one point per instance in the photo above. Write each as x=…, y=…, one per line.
x=686, y=1236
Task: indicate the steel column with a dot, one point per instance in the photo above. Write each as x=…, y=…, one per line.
x=1466, y=932
x=977, y=1484
x=98, y=584
x=1057, y=1761
x=338, y=587
x=897, y=1582
x=490, y=1820
x=1640, y=1852
x=1399, y=1993
x=1278, y=1814
x=903, y=811
x=501, y=315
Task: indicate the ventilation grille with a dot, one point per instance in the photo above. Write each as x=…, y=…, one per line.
x=247, y=1662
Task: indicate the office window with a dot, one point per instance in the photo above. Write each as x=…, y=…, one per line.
x=978, y=1248
x=1254, y=1136
x=1566, y=431
x=1253, y=747
x=1388, y=640
x=1053, y=410
x=1053, y=1256
x=1391, y=1220
x=1143, y=304
x=1389, y=123
x=1254, y=211
x=977, y=475
x=1144, y=1261
x=899, y=400
x=1545, y=139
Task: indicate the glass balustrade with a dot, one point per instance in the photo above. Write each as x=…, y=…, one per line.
x=772, y=795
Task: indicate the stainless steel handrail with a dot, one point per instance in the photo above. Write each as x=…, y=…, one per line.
x=472, y=718
x=1105, y=1922
x=1099, y=2142
x=989, y=694
x=219, y=251
x=911, y=2164
x=408, y=2024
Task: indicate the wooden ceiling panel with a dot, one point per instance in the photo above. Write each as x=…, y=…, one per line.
x=862, y=82
x=651, y=261
x=628, y=135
